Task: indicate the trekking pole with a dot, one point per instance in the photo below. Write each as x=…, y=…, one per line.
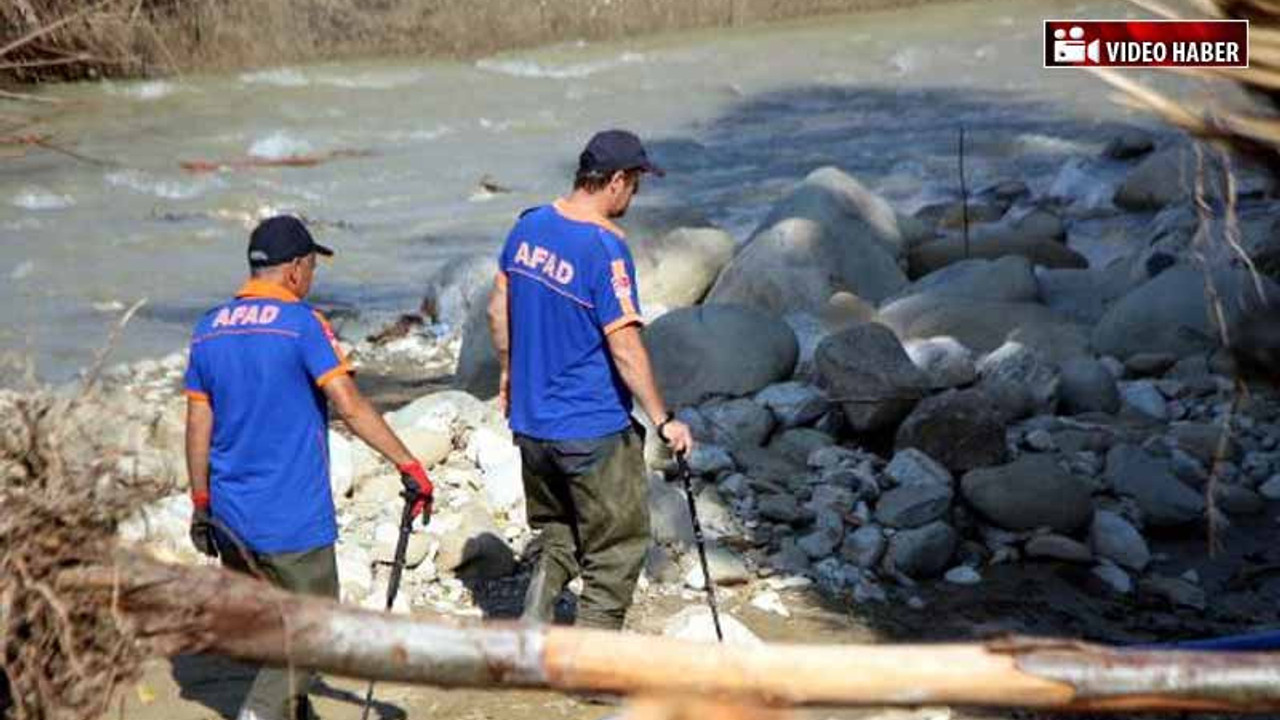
x=411, y=496
x=687, y=480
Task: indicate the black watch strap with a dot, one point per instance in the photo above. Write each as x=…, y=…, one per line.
x=661, y=435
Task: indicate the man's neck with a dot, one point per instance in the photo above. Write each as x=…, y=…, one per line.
x=591, y=203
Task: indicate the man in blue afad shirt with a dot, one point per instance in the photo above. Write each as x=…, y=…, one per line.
x=565, y=319
x=262, y=370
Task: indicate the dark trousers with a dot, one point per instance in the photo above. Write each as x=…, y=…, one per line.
x=280, y=693
x=310, y=572
x=588, y=502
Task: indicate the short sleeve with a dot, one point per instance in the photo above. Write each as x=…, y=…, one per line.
x=613, y=288
x=193, y=382
x=320, y=351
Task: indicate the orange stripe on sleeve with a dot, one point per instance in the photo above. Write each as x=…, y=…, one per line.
x=196, y=396
x=342, y=369
x=625, y=320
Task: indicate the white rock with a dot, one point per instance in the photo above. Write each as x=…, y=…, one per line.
x=1115, y=578
x=770, y=601
x=355, y=573
x=342, y=470
x=695, y=623
x=915, y=603
x=962, y=575
x=791, y=582
x=944, y=359
x=163, y=525
x=499, y=462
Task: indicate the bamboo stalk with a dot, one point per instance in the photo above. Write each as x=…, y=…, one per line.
x=193, y=609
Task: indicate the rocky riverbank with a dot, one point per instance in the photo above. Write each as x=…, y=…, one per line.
x=925, y=442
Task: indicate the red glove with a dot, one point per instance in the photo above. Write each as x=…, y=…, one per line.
x=200, y=499
x=415, y=480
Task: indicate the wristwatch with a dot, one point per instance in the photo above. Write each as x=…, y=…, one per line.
x=670, y=416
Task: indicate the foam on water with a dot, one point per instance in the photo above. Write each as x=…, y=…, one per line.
x=280, y=144
x=23, y=270
x=38, y=198
x=151, y=90
x=280, y=77
x=370, y=80
x=141, y=181
x=1049, y=145
x=570, y=71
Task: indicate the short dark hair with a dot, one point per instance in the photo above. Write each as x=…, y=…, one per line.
x=593, y=181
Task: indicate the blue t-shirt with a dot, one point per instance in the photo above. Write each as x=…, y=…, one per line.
x=570, y=282
x=260, y=361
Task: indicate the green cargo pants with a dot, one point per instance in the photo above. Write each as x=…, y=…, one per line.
x=588, y=502
x=280, y=693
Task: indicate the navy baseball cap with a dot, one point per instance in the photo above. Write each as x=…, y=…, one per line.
x=279, y=239
x=613, y=150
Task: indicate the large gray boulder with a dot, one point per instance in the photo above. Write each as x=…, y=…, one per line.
x=990, y=242
x=1167, y=314
x=708, y=350
x=1086, y=385
x=1008, y=279
x=478, y=370
x=677, y=269
x=1162, y=178
x=867, y=371
x=1084, y=295
x=458, y=286
x=1028, y=493
x=922, y=552
x=830, y=234
x=984, y=325
x=961, y=429
x=1163, y=499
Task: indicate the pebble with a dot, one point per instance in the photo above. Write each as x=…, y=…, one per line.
x=915, y=603
x=962, y=575
x=770, y=601
x=1040, y=441
x=1115, y=578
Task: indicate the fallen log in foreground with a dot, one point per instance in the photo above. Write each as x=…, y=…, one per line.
x=187, y=609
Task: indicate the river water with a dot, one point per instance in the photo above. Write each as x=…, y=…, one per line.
x=736, y=116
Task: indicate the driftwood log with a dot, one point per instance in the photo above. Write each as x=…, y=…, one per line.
x=200, y=609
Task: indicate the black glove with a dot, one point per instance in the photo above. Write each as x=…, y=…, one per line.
x=202, y=532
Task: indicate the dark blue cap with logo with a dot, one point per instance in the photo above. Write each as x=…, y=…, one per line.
x=280, y=239
x=613, y=150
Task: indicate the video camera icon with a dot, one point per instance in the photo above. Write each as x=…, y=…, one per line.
x=1070, y=47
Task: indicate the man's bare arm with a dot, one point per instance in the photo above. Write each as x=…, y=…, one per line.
x=364, y=420
x=199, y=439
x=500, y=331
x=632, y=360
